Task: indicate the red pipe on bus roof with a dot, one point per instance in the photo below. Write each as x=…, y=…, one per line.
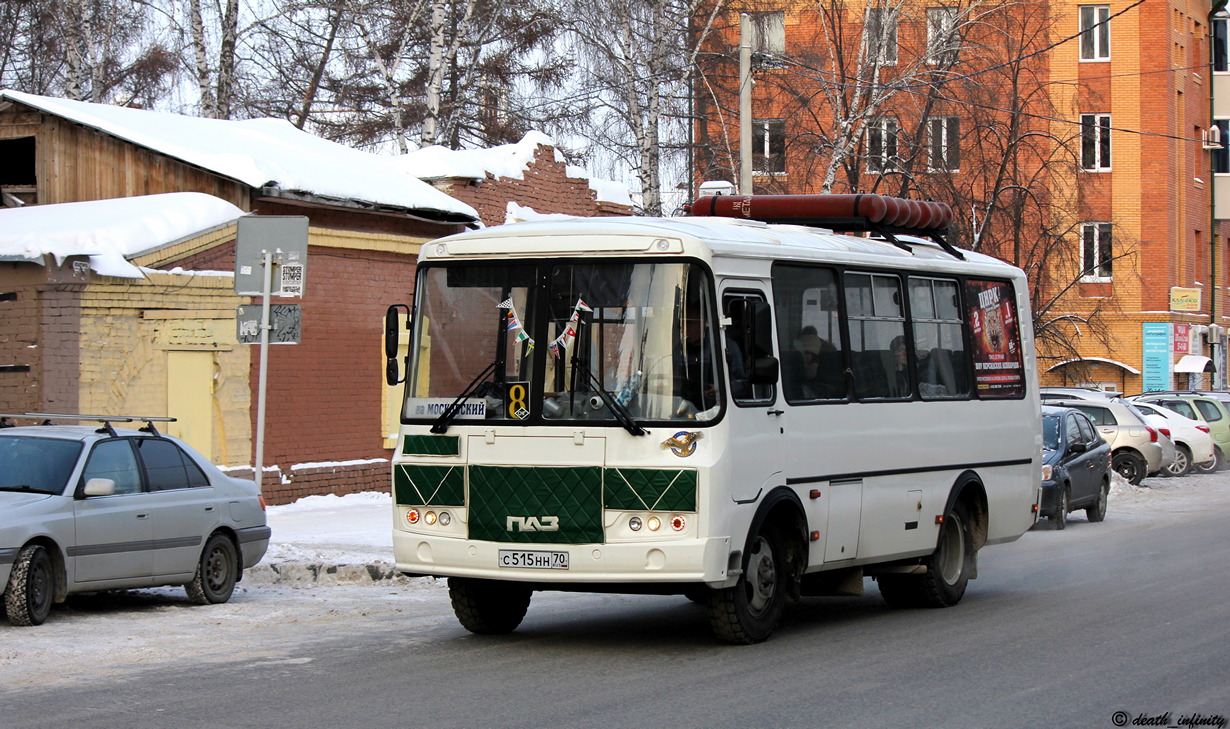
x=880, y=209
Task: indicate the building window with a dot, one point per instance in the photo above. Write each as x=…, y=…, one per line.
x=1095, y=32
x=1217, y=46
x=1221, y=157
x=882, y=144
x=1096, y=252
x=880, y=35
x=944, y=143
x=943, y=41
x=1095, y=142
x=769, y=146
x=768, y=35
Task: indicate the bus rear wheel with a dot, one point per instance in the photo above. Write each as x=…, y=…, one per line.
x=488, y=607
x=948, y=568
x=748, y=612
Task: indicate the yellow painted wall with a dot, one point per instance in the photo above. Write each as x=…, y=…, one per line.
x=142, y=339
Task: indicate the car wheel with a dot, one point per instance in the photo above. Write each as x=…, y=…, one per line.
x=1182, y=461
x=216, y=572
x=1060, y=517
x=31, y=588
x=749, y=611
x=488, y=607
x=1213, y=465
x=1097, y=512
x=948, y=568
x=1130, y=467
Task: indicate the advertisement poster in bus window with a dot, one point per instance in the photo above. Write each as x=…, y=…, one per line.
x=998, y=371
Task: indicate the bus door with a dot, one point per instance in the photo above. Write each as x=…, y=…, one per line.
x=754, y=415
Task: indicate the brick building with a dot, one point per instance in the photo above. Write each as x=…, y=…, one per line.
x=1071, y=139
x=83, y=329
x=502, y=181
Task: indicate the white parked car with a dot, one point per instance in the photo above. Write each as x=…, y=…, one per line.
x=86, y=508
x=1193, y=444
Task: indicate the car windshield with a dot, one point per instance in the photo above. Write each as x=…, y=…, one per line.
x=554, y=342
x=1050, y=432
x=36, y=464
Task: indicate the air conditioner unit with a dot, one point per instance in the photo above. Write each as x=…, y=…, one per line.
x=1216, y=334
x=1211, y=138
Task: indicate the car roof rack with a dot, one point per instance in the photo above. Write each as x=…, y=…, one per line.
x=106, y=420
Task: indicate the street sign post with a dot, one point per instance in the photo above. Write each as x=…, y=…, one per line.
x=263, y=243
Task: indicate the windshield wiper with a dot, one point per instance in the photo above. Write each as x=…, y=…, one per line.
x=472, y=390
x=27, y=488
x=622, y=415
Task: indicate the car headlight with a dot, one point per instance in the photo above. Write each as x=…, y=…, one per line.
x=1046, y=472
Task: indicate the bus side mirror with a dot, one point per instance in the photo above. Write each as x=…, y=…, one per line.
x=392, y=333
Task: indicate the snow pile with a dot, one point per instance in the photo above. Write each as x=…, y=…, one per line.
x=116, y=229
x=258, y=153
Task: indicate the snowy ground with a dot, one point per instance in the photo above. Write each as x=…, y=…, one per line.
x=329, y=571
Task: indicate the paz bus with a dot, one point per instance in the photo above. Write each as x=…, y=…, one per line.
x=743, y=406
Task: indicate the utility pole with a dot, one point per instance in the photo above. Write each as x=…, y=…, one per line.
x=745, y=105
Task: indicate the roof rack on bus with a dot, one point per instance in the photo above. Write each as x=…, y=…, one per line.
x=881, y=214
x=106, y=420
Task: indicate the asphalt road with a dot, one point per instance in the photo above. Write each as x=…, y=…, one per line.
x=1062, y=629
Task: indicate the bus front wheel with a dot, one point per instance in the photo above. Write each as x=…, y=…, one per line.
x=488, y=607
x=749, y=611
x=948, y=568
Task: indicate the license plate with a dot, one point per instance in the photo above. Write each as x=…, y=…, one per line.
x=526, y=559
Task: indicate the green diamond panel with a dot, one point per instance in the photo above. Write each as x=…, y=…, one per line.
x=431, y=445
x=572, y=494
x=651, y=489
x=429, y=485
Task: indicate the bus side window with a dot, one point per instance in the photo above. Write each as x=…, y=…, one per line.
x=877, y=336
x=741, y=352
x=813, y=363
x=939, y=341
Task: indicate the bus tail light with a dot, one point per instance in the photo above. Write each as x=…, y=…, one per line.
x=412, y=516
x=678, y=523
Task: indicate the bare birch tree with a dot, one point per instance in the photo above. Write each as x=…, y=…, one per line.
x=633, y=96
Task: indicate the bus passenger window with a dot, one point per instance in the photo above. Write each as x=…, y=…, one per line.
x=813, y=365
x=877, y=336
x=939, y=340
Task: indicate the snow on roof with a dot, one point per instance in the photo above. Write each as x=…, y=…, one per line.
x=259, y=153
x=505, y=160
x=109, y=231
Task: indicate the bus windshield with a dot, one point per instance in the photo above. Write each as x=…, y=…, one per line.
x=552, y=342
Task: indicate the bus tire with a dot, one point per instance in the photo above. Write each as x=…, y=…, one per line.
x=748, y=612
x=488, y=607
x=948, y=568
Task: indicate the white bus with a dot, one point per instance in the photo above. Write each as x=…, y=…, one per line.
x=713, y=406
